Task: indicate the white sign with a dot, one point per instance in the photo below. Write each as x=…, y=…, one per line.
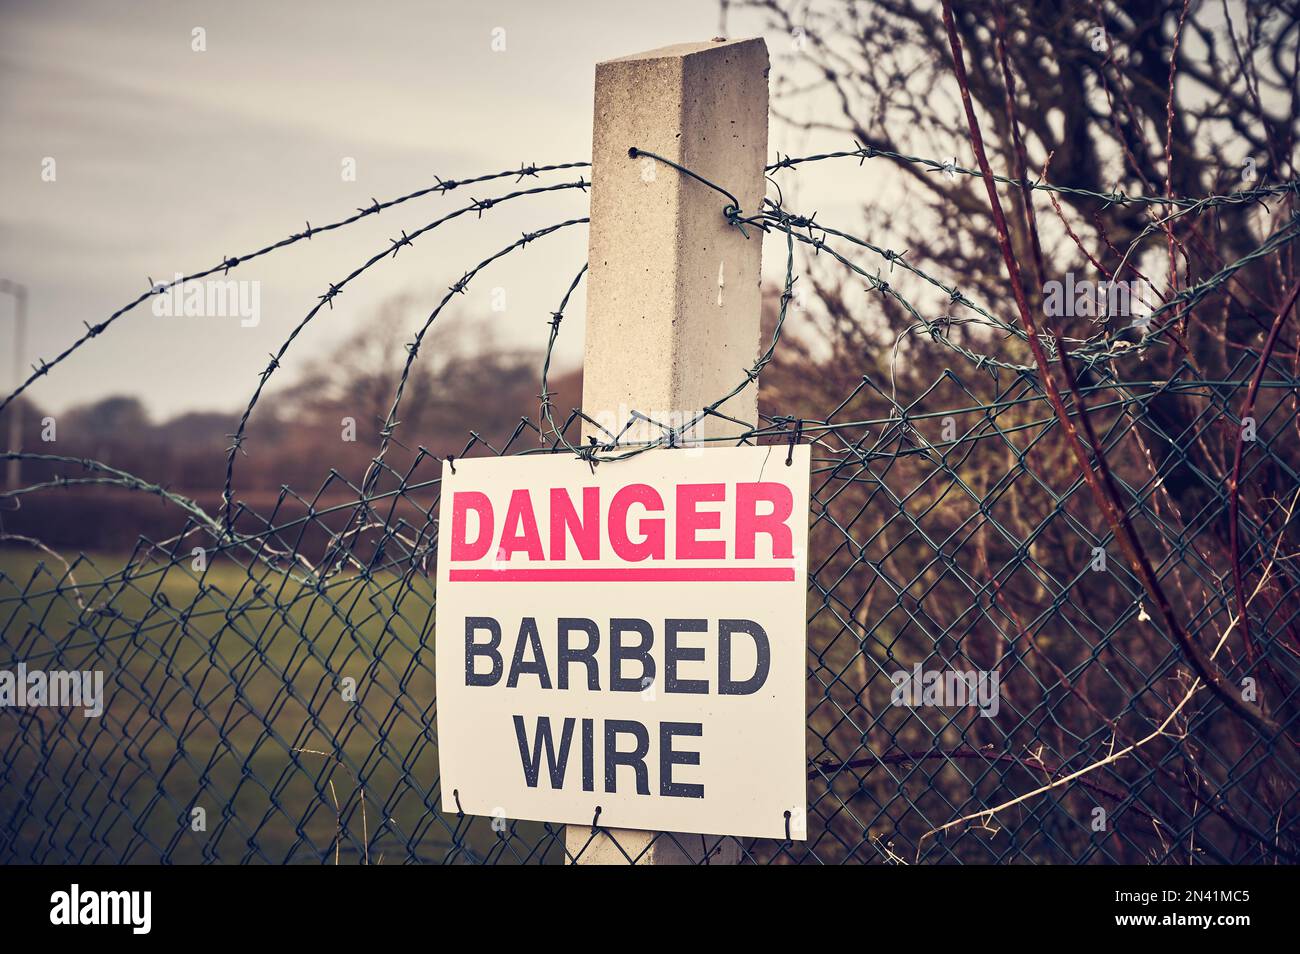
x=631, y=638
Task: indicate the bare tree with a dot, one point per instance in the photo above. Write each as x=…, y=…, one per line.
x=1076, y=429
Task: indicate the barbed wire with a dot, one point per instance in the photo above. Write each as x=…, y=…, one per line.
x=897, y=516
x=1094, y=352
x=43, y=367
x=862, y=153
x=335, y=289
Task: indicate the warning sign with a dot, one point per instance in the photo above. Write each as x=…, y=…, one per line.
x=631, y=638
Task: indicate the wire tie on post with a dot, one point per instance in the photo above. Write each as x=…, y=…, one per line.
x=794, y=439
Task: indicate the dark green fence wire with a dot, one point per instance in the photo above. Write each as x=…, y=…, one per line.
x=949, y=530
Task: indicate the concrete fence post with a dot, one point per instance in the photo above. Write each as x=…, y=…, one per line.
x=673, y=297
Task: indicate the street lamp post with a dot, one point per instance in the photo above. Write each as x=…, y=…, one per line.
x=19, y=293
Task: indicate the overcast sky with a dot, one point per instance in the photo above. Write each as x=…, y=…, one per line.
x=167, y=159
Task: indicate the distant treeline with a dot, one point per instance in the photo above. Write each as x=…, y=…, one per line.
x=315, y=436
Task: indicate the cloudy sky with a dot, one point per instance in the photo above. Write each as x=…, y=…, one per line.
x=167, y=159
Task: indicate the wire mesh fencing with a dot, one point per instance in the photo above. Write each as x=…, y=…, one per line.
x=1011, y=657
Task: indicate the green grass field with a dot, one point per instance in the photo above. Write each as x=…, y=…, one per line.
x=214, y=681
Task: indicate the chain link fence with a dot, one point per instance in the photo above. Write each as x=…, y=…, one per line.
x=268, y=673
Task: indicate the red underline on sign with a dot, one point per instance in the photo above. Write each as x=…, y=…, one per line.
x=631, y=574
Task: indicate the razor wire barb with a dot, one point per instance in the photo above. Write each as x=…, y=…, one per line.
x=925, y=552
